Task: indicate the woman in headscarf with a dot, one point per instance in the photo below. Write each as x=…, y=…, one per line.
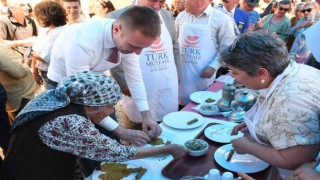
x=284, y=122
x=57, y=126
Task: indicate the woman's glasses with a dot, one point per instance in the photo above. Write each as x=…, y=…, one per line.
x=306, y=10
x=284, y=9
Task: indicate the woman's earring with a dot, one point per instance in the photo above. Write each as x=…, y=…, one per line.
x=263, y=81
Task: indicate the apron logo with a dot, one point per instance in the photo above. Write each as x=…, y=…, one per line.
x=157, y=45
x=192, y=40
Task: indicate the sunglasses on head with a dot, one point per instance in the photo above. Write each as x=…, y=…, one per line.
x=306, y=10
x=283, y=9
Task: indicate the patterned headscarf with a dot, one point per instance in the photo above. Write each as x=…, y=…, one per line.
x=86, y=88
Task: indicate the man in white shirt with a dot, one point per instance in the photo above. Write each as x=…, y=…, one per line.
x=73, y=9
x=89, y=47
x=160, y=64
x=198, y=52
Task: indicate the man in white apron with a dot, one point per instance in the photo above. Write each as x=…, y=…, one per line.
x=159, y=65
x=202, y=32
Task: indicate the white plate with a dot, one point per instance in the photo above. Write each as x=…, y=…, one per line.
x=200, y=97
x=245, y=163
x=131, y=164
x=221, y=133
x=179, y=120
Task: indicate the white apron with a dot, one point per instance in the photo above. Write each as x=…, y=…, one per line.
x=197, y=52
x=254, y=114
x=160, y=77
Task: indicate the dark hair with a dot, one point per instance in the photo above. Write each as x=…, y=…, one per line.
x=107, y=4
x=50, y=13
x=284, y=2
x=72, y=1
x=143, y=18
x=257, y=49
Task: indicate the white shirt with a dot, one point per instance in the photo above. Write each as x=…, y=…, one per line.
x=222, y=33
x=85, y=47
x=43, y=45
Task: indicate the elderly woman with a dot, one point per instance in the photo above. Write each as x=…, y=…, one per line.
x=52, y=17
x=278, y=22
x=57, y=126
x=284, y=122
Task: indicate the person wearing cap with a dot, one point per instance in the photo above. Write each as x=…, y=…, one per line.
x=241, y=18
x=57, y=127
x=248, y=6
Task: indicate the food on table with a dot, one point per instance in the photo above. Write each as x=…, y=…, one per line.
x=140, y=174
x=195, y=145
x=230, y=155
x=158, y=141
x=118, y=171
x=192, y=121
x=210, y=100
x=208, y=108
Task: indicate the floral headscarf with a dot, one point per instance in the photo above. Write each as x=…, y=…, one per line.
x=86, y=88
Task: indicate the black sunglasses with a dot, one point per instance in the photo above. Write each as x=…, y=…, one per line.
x=306, y=10
x=283, y=9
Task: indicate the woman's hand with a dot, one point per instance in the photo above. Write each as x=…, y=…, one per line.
x=242, y=145
x=135, y=137
x=242, y=127
x=177, y=151
x=306, y=173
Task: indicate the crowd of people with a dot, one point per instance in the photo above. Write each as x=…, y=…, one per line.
x=62, y=73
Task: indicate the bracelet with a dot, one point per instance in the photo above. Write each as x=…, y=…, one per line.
x=35, y=73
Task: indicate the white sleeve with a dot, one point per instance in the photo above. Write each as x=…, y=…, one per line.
x=133, y=75
x=108, y=123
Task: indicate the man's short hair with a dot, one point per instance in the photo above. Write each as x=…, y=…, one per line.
x=71, y=1
x=144, y=19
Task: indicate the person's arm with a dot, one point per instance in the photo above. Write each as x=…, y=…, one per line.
x=133, y=136
x=35, y=72
x=289, y=158
x=76, y=135
x=133, y=75
x=12, y=64
x=223, y=35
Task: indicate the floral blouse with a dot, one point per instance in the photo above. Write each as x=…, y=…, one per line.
x=282, y=28
x=76, y=135
x=291, y=116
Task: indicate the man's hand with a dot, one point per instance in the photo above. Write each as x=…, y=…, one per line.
x=150, y=126
x=208, y=72
x=37, y=78
x=135, y=137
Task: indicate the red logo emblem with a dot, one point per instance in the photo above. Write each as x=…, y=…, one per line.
x=192, y=40
x=157, y=44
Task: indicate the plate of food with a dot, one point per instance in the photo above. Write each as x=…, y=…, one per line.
x=226, y=157
x=128, y=170
x=202, y=97
x=221, y=133
x=183, y=120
